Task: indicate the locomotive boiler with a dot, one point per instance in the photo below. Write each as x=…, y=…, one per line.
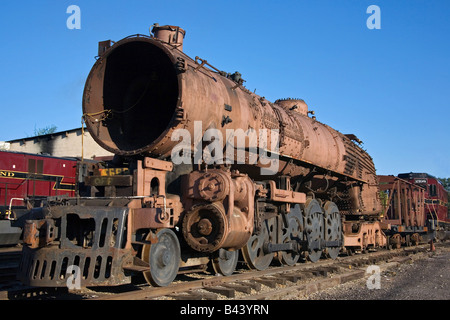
x=205, y=171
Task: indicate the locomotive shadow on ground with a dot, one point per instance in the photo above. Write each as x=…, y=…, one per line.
x=39, y=293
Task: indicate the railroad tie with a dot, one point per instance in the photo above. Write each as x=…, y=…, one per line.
x=239, y=287
x=253, y=284
x=270, y=282
x=193, y=295
x=222, y=290
x=185, y=296
x=292, y=277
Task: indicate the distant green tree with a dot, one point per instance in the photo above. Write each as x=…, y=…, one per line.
x=43, y=131
x=445, y=183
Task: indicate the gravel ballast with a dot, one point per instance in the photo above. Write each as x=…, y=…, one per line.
x=426, y=277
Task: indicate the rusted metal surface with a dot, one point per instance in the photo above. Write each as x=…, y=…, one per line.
x=363, y=235
x=404, y=210
x=157, y=164
x=404, y=205
x=220, y=206
x=172, y=35
x=93, y=244
x=196, y=93
x=38, y=233
x=279, y=195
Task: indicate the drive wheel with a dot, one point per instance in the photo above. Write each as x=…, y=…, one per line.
x=333, y=228
x=293, y=233
x=253, y=252
x=163, y=258
x=314, y=229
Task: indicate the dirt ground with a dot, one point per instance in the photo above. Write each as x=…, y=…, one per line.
x=425, y=278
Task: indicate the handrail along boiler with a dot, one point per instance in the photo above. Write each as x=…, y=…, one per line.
x=155, y=216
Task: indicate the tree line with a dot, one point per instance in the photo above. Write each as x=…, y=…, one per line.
x=445, y=183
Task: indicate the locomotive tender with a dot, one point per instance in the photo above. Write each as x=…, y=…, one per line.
x=165, y=209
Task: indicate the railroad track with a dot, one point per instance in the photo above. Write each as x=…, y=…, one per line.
x=275, y=283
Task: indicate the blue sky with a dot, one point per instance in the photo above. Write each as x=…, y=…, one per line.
x=390, y=87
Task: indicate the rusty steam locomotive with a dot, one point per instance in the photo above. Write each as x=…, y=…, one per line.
x=278, y=185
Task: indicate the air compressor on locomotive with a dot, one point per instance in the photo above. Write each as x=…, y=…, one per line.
x=143, y=98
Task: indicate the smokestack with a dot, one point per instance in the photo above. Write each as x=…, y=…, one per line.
x=172, y=35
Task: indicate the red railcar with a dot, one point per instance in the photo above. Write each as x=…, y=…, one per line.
x=436, y=197
x=27, y=179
